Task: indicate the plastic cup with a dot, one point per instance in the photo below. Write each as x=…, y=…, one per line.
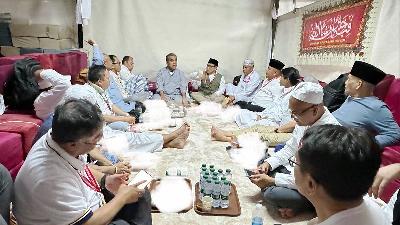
x=207, y=203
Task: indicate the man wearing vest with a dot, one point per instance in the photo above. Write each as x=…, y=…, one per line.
x=212, y=84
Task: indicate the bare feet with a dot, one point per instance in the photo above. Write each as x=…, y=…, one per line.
x=218, y=135
x=180, y=141
x=287, y=213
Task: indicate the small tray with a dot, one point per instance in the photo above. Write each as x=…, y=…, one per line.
x=233, y=209
x=153, y=184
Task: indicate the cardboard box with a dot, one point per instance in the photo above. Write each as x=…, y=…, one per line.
x=50, y=43
x=41, y=31
x=25, y=42
x=9, y=50
x=25, y=30
x=60, y=32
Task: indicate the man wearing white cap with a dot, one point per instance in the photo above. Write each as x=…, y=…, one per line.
x=268, y=91
x=248, y=84
x=275, y=175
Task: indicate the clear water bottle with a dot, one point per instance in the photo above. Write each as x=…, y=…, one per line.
x=216, y=187
x=216, y=195
x=202, y=173
x=225, y=190
x=220, y=173
x=208, y=188
x=257, y=216
x=203, y=184
x=141, y=118
x=224, y=201
x=228, y=174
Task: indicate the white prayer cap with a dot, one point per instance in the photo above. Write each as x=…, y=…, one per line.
x=308, y=92
x=248, y=62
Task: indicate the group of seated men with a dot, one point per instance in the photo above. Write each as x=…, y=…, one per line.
x=328, y=163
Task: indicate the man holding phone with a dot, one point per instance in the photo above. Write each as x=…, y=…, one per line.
x=55, y=187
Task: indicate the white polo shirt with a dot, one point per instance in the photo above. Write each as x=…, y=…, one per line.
x=49, y=189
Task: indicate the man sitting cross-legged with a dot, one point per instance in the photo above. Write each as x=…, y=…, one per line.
x=275, y=176
x=334, y=168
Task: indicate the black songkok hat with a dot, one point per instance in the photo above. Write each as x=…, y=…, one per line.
x=367, y=72
x=213, y=61
x=276, y=64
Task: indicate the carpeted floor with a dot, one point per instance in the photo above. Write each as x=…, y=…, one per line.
x=200, y=149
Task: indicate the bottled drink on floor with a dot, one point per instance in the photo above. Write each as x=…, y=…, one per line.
x=257, y=218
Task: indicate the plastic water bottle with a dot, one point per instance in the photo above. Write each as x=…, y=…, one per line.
x=225, y=190
x=228, y=175
x=208, y=188
x=216, y=194
x=257, y=216
x=220, y=173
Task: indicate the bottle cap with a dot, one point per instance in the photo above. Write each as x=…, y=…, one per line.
x=211, y=166
x=220, y=171
x=228, y=170
x=216, y=182
x=208, y=181
x=223, y=178
x=203, y=169
x=205, y=177
x=215, y=173
x=203, y=165
x=207, y=173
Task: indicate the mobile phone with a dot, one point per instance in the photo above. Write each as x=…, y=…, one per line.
x=141, y=176
x=249, y=172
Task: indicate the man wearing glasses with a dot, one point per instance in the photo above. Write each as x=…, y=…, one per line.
x=55, y=187
x=275, y=176
x=212, y=84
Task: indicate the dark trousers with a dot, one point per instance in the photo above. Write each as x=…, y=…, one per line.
x=138, y=213
x=283, y=197
x=249, y=106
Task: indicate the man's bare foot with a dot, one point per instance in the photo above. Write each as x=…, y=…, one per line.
x=217, y=135
x=176, y=143
x=286, y=213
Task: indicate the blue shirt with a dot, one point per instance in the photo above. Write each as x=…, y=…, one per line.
x=174, y=84
x=372, y=114
x=117, y=98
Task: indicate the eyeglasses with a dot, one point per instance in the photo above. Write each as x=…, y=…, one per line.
x=95, y=144
x=117, y=63
x=293, y=162
x=209, y=65
x=297, y=115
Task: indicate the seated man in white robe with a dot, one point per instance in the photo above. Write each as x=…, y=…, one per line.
x=276, y=113
x=248, y=84
x=275, y=175
x=135, y=84
x=269, y=90
x=172, y=84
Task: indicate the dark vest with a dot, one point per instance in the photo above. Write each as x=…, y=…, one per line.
x=210, y=88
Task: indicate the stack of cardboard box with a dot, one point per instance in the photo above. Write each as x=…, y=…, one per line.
x=38, y=38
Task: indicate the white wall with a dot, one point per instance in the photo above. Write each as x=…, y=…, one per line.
x=57, y=12
x=228, y=30
x=385, y=51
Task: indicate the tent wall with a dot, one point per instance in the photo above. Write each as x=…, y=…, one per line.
x=385, y=51
x=228, y=30
x=57, y=12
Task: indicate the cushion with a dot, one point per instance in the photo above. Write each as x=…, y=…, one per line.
x=11, y=149
x=25, y=125
x=5, y=72
x=382, y=87
x=392, y=99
